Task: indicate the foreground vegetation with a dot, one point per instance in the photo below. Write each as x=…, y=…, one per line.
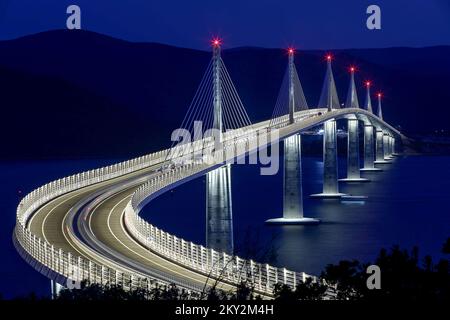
x=404, y=276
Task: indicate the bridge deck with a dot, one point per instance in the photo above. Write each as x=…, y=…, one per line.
x=105, y=240
x=105, y=222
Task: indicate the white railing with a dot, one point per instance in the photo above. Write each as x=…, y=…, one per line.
x=49, y=259
x=217, y=265
x=54, y=260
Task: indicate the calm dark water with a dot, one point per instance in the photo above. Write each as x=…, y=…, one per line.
x=408, y=205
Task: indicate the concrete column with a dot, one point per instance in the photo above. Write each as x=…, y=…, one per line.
x=386, y=147
x=390, y=146
x=393, y=146
x=379, y=145
x=292, y=193
x=219, y=216
x=292, y=185
x=353, y=170
x=291, y=87
x=368, y=149
x=217, y=90
x=55, y=289
x=330, y=169
x=382, y=144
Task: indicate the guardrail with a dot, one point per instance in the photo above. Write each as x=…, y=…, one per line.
x=217, y=265
x=61, y=266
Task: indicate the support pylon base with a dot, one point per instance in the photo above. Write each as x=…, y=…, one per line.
x=382, y=162
x=328, y=195
x=354, y=180
x=293, y=221
x=370, y=169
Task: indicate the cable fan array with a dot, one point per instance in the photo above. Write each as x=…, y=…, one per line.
x=328, y=97
x=199, y=119
x=281, y=111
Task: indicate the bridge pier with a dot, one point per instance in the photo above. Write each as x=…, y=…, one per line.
x=381, y=146
x=330, y=169
x=219, y=216
x=387, y=147
x=390, y=149
x=389, y=152
x=393, y=151
x=353, y=170
x=55, y=289
x=369, y=149
x=292, y=184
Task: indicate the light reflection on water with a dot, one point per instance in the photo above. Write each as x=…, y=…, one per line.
x=406, y=205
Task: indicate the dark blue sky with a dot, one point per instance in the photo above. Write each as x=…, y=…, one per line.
x=267, y=23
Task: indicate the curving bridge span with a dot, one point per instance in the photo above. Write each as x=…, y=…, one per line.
x=87, y=226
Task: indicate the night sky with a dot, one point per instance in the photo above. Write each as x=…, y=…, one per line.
x=266, y=23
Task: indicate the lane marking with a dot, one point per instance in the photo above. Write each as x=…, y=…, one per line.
x=147, y=250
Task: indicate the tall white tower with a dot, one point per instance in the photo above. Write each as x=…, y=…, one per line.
x=292, y=174
x=353, y=172
x=329, y=99
x=219, y=215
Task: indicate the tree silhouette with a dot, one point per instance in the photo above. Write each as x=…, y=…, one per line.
x=310, y=290
x=446, y=246
x=404, y=276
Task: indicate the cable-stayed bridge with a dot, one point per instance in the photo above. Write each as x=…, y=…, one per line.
x=87, y=226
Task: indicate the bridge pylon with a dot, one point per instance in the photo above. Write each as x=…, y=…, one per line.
x=391, y=146
x=391, y=140
x=381, y=141
x=368, y=101
x=55, y=289
x=393, y=151
x=292, y=174
x=219, y=214
x=353, y=172
x=329, y=99
x=330, y=168
x=379, y=110
x=369, y=154
x=387, y=147
x=379, y=146
x=369, y=143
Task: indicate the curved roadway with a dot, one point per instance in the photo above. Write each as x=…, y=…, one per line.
x=88, y=222
x=100, y=235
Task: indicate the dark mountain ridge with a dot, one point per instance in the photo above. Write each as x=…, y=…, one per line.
x=78, y=93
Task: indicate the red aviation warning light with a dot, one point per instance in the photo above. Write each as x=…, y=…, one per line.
x=368, y=83
x=379, y=95
x=329, y=57
x=216, y=42
x=291, y=51
x=352, y=69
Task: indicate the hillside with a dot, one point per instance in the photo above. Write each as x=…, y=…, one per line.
x=77, y=93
